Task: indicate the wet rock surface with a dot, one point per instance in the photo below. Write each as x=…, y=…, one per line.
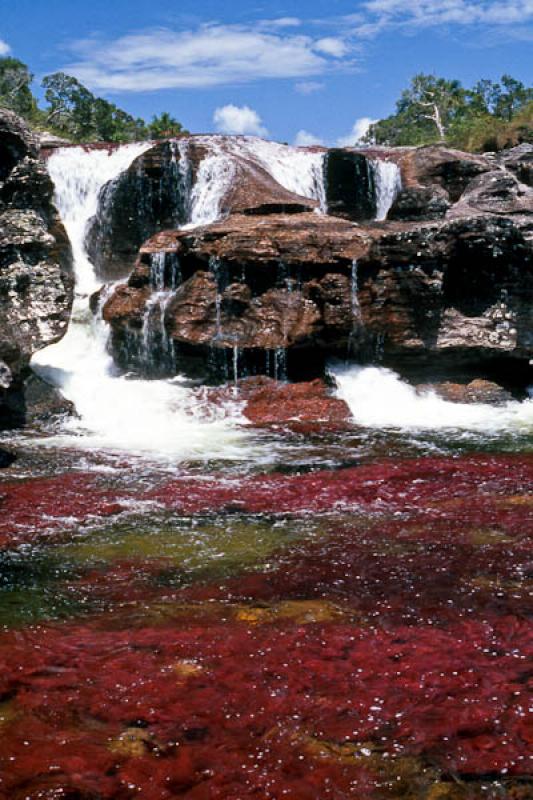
x=301, y=407
x=458, y=290
x=36, y=283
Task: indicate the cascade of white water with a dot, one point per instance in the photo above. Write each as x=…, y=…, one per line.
x=213, y=181
x=379, y=398
x=388, y=182
x=297, y=170
x=117, y=411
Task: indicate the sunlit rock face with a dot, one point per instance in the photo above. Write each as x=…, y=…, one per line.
x=312, y=287
x=409, y=255
x=36, y=283
x=269, y=286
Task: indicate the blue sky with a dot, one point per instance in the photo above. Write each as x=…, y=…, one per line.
x=287, y=69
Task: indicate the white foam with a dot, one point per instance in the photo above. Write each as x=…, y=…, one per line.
x=116, y=412
x=379, y=398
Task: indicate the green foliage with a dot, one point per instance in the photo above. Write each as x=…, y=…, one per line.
x=487, y=117
x=15, y=92
x=72, y=111
x=164, y=126
x=70, y=105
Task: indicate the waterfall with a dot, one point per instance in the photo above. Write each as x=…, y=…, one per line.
x=379, y=398
x=213, y=181
x=119, y=412
x=388, y=182
x=297, y=170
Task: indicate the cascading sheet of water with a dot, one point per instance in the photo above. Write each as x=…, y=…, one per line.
x=379, y=398
x=297, y=170
x=117, y=412
x=388, y=183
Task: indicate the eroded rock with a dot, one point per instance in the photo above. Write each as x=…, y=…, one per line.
x=36, y=283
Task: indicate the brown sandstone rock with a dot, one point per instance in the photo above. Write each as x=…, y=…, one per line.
x=477, y=391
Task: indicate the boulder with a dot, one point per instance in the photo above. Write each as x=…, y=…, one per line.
x=301, y=407
x=497, y=192
x=274, y=287
x=437, y=165
x=36, y=282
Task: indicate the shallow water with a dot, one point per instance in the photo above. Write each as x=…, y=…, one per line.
x=348, y=618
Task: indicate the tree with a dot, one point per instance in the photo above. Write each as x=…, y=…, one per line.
x=436, y=109
x=70, y=105
x=15, y=81
x=510, y=101
x=433, y=100
x=164, y=126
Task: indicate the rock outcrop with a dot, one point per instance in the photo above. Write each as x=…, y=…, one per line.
x=156, y=193
x=445, y=281
x=36, y=283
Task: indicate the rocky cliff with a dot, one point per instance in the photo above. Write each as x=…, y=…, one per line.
x=445, y=282
x=36, y=283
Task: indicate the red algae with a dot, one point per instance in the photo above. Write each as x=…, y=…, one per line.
x=389, y=657
x=393, y=485
x=30, y=506
x=260, y=705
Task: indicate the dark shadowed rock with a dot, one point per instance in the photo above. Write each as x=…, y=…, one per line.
x=498, y=193
x=420, y=203
x=350, y=185
x=519, y=160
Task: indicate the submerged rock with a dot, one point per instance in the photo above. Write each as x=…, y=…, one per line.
x=36, y=283
x=476, y=391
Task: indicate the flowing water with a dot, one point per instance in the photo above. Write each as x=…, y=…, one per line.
x=195, y=607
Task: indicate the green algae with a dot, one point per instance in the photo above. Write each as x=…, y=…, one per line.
x=65, y=580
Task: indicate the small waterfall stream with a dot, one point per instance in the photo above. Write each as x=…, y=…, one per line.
x=117, y=411
x=388, y=182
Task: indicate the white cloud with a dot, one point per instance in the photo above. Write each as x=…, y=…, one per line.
x=211, y=55
x=308, y=87
x=281, y=22
x=360, y=128
x=381, y=14
x=4, y=48
x=332, y=46
x=306, y=139
x=239, y=119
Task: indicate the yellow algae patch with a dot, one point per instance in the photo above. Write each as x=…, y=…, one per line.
x=302, y=612
x=131, y=743
x=8, y=713
x=516, y=500
x=187, y=668
x=481, y=536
